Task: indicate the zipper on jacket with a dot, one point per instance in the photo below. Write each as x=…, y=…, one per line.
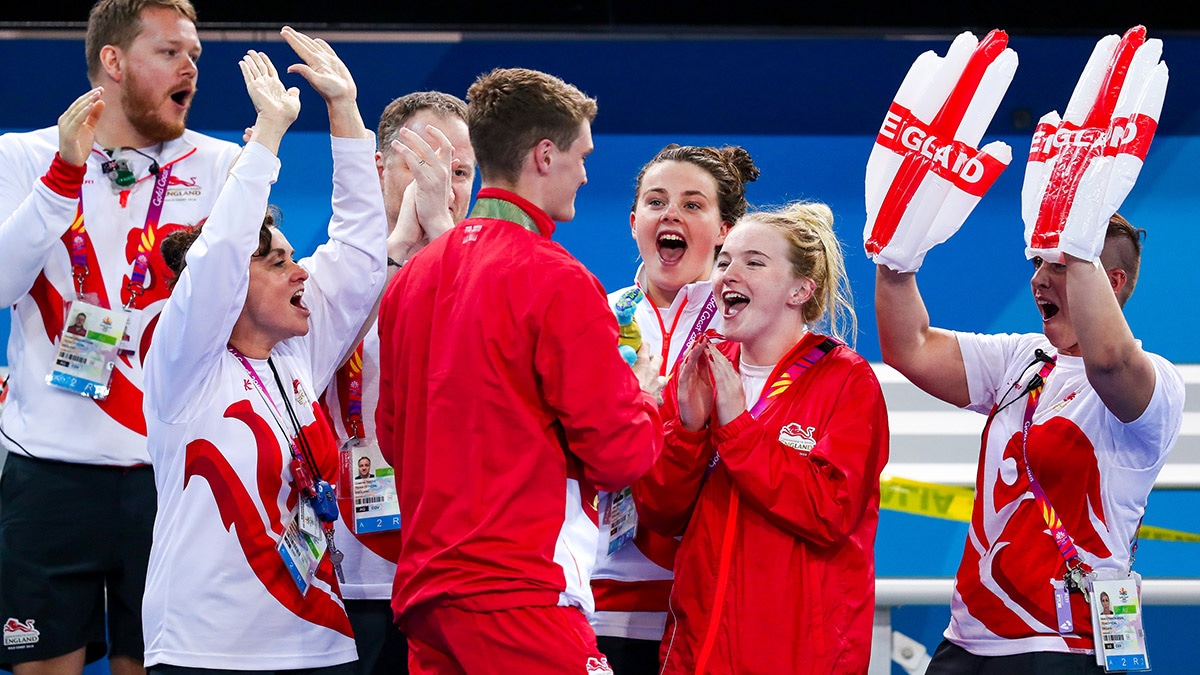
x=714, y=621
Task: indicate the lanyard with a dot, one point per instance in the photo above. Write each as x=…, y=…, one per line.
x=707, y=312
x=1062, y=538
x=781, y=383
x=81, y=242
x=299, y=447
x=350, y=393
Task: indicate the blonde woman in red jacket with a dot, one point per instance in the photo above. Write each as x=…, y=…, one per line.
x=775, y=441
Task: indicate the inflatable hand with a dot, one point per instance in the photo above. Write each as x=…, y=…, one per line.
x=1083, y=165
x=629, y=339
x=924, y=175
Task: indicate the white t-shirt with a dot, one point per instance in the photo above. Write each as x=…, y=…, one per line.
x=218, y=595
x=1096, y=471
x=44, y=421
x=754, y=380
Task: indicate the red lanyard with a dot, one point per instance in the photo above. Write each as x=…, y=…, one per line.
x=666, y=334
x=81, y=242
x=707, y=312
x=302, y=454
x=350, y=393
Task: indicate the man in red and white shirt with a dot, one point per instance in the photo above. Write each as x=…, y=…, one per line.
x=370, y=559
x=75, y=219
x=1107, y=416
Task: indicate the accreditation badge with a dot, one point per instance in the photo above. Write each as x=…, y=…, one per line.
x=87, y=349
x=301, y=551
x=618, y=520
x=371, y=481
x=1117, y=624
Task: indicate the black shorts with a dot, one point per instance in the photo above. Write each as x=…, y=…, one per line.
x=72, y=535
x=382, y=648
x=950, y=659
x=629, y=656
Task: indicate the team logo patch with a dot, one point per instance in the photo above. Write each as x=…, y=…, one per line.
x=179, y=188
x=301, y=395
x=798, y=437
x=1063, y=403
x=598, y=666
x=21, y=634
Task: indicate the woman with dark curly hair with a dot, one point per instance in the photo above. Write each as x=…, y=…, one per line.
x=687, y=198
x=242, y=569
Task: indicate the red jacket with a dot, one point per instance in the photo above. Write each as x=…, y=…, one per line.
x=776, y=570
x=502, y=401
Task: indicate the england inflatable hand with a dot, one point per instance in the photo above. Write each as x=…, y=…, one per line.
x=1083, y=165
x=925, y=175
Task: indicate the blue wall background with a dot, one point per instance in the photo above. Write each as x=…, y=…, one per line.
x=807, y=109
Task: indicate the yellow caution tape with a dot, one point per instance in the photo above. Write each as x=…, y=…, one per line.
x=1163, y=534
x=926, y=499
x=952, y=502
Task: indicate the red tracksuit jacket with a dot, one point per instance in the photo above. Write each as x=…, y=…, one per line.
x=503, y=405
x=776, y=570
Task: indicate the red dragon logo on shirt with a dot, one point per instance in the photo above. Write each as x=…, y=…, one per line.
x=124, y=402
x=1019, y=560
x=257, y=538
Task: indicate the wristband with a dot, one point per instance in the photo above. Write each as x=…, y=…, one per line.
x=64, y=178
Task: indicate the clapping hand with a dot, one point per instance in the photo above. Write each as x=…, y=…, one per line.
x=432, y=170
x=77, y=127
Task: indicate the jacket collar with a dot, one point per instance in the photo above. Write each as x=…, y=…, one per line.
x=501, y=204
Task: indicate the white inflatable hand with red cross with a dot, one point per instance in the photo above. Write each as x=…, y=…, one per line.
x=925, y=174
x=1083, y=165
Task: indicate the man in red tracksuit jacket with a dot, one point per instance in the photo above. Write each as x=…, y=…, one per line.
x=504, y=403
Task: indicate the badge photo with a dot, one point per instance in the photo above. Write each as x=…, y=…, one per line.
x=87, y=350
x=373, y=487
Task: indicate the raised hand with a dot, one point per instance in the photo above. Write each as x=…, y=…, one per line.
x=1082, y=166
x=327, y=74
x=432, y=171
x=77, y=127
x=925, y=176
x=277, y=107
